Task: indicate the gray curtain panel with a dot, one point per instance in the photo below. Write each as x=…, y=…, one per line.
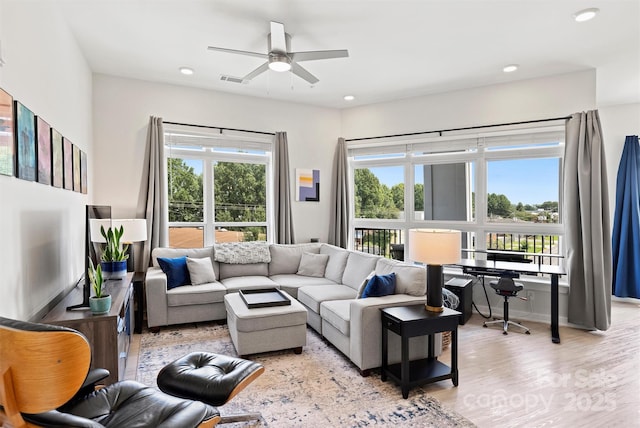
x=587, y=223
x=152, y=203
x=282, y=192
x=339, y=220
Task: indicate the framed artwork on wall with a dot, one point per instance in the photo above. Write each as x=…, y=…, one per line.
x=307, y=185
x=57, y=159
x=7, y=150
x=25, y=142
x=83, y=172
x=76, y=169
x=43, y=132
x=67, y=155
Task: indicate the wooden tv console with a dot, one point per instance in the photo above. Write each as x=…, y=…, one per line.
x=109, y=335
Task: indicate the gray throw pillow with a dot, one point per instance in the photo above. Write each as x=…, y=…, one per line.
x=313, y=264
x=364, y=283
x=201, y=270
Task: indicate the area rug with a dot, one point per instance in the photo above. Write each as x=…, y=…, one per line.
x=319, y=387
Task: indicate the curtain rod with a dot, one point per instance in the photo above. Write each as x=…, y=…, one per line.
x=218, y=127
x=458, y=129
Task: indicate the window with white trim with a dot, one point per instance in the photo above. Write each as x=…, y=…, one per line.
x=500, y=187
x=219, y=187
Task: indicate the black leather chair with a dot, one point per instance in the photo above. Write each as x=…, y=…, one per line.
x=42, y=369
x=507, y=287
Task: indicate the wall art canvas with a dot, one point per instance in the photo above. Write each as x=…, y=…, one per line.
x=57, y=161
x=67, y=154
x=76, y=169
x=43, y=131
x=7, y=150
x=307, y=185
x=83, y=172
x=26, y=142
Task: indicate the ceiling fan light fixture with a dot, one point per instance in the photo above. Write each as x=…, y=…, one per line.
x=349, y=98
x=510, y=68
x=279, y=63
x=186, y=71
x=586, y=14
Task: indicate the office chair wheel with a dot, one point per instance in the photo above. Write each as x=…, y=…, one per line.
x=484, y=325
x=505, y=333
x=527, y=332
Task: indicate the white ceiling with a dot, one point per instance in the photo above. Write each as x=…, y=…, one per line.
x=397, y=48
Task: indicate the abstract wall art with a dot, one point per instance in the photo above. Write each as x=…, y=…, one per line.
x=307, y=185
x=57, y=161
x=67, y=154
x=26, y=142
x=7, y=153
x=43, y=132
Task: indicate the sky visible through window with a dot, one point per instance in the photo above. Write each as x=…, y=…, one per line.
x=530, y=181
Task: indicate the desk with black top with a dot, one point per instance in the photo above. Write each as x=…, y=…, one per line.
x=412, y=321
x=496, y=268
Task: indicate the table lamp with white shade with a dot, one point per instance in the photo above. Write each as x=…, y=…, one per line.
x=134, y=230
x=434, y=248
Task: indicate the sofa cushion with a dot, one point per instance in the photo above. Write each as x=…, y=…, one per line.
x=202, y=294
x=234, y=270
x=292, y=282
x=358, y=267
x=285, y=258
x=313, y=265
x=411, y=280
x=380, y=285
x=176, y=271
x=196, y=253
x=337, y=261
x=248, y=283
x=312, y=295
x=338, y=314
x=200, y=270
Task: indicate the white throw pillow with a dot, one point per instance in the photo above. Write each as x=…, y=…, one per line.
x=201, y=270
x=313, y=264
x=364, y=284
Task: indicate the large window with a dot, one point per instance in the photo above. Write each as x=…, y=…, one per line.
x=501, y=188
x=218, y=188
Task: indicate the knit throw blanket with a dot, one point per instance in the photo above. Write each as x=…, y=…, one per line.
x=242, y=252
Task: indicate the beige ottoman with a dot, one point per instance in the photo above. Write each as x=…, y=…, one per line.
x=266, y=329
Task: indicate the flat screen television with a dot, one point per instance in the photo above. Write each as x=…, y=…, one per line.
x=92, y=250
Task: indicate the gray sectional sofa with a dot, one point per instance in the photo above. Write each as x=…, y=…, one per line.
x=328, y=293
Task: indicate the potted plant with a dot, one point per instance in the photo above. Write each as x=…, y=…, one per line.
x=114, y=257
x=99, y=303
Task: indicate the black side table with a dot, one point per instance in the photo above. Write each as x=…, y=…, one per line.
x=411, y=321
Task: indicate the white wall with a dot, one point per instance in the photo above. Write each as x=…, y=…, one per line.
x=42, y=227
x=121, y=111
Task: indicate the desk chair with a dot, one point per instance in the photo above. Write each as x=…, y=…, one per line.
x=507, y=287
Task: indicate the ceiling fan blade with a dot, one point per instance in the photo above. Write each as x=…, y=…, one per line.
x=264, y=67
x=278, y=42
x=302, y=73
x=313, y=55
x=234, y=51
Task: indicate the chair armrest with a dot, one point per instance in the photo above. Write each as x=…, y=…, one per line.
x=59, y=419
x=156, y=293
x=366, y=327
x=89, y=385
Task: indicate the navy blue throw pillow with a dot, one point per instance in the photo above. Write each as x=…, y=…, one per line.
x=380, y=285
x=176, y=271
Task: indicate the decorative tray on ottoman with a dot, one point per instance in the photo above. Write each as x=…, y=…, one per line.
x=264, y=298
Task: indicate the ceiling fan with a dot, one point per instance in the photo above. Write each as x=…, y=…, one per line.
x=280, y=58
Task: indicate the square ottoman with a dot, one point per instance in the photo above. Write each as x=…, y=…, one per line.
x=273, y=328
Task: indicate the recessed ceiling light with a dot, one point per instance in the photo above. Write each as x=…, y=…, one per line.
x=349, y=98
x=586, y=14
x=186, y=70
x=510, y=68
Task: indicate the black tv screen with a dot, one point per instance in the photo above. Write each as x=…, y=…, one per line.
x=92, y=250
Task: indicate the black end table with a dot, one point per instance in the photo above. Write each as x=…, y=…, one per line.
x=412, y=321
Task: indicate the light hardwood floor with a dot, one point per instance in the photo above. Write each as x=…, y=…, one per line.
x=590, y=379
